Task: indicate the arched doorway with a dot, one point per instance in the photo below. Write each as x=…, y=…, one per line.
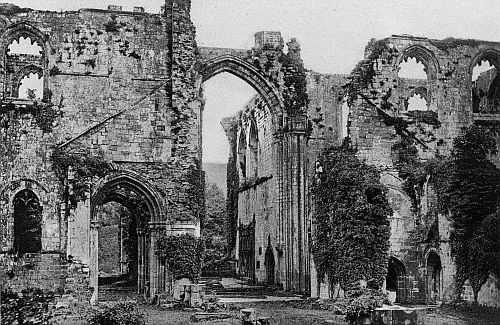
x=434, y=278
x=27, y=223
x=137, y=211
x=396, y=279
x=270, y=264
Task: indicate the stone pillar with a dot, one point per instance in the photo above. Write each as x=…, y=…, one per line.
x=292, y=201
x=140, y=261
x=154, y=261
x=94, y=259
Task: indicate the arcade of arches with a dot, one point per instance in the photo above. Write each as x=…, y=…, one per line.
x=139, y=107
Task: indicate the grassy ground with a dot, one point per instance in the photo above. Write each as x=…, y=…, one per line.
x=281, y=313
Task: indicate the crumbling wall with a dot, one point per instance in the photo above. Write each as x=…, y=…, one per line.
x=380, y=122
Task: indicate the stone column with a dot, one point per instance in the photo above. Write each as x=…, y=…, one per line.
x=292, y=201
x=94, y=259
x=140, y=261
x=153, y=260
x=156, y=269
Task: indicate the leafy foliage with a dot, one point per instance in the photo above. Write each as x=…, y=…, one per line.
x=213, y=232
x=363, y=303
x=123, y=313
x=45, y=116
x=84, y=165
x=364, y=72
x=351, y=236
x=468, y=189
x=183, y=254
x=295, y=92
x=29, y=307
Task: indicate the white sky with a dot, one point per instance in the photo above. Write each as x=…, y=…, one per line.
x=332, y=33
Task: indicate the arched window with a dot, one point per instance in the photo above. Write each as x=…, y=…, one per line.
x=486, y=86
x=27, y=223
x=253, y=147
x=242, y=154
x=417, y=71
x=25, y=63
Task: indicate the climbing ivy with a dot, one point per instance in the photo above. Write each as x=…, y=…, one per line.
x=44, y=113
x=364, y=72
x=351, y=236
x=183, y=255
x=84, y=165
x=295, y=86
x=468, y=188
x=467, y=185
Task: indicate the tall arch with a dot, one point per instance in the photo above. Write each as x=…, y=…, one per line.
x=250, y=74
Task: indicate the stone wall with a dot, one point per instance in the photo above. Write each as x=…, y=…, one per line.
x=380, y=97
x=257, y=190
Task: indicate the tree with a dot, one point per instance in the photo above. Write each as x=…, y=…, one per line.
x=213, y=227
x=468, y=186
x=351, y=236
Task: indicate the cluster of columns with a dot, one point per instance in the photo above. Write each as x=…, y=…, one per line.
x=292, y=204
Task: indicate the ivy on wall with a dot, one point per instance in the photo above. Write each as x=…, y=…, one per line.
x=468, y=188
x=364, y=72
x=295, y=85
x=84, y=166
x=183, y=255
x=351, y=236
x=44, y=114
x=467, y=185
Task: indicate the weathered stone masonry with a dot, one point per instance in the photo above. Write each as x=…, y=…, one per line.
x=125, y=88
x=421, y=259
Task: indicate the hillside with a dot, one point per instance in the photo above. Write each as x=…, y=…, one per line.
x=216, y=173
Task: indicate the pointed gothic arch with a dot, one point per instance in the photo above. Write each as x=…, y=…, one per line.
x=250, y=74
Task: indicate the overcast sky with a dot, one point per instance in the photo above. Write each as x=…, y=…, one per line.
x=332, y=34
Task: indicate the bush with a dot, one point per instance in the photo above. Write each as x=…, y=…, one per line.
x=124, y=313
x=363, y=303
x=28, y=307
x=351, y=233
x=183, y=254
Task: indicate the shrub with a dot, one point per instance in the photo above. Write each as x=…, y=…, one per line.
x=363, y=302
x=183, y=254
x=28, y=307
x=123, y=313
x=351, y=233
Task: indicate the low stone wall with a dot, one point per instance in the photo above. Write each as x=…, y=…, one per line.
x=48, y=271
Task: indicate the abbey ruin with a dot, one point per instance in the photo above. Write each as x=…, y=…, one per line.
x=119, y=120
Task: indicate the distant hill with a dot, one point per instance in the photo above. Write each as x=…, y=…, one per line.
x=216, y=173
